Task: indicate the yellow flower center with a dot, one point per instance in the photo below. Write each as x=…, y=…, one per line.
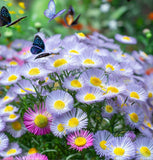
x=74, y=51
x=103, y=145
x=112, y=89
x=46, y=79
x=28, y=89
x=95, y=81
x=73, y=122
x=122, y=69
x=81, y=34
x=109, y=66
x=8, y=109
x=89, y=61
x=89, y=97
x=11, y=151
x=5, y=98
x=60, y=127
x=145, y=151
x=32, y=151
x=119, y=151
x=41, y=121
x=59, y=62
x=21, y=4
x=13, y=63
x=12, y=78
x=75, y=83
x=126, y=38
x=149, y=125
x=134, y=95
x=16, y=125
x=97, y=50
x=34, y=71
x=12, y=116
x=134, y=117
x=21, y=11
x=109, y=108
x=59, y=104
x=149, y=95
x=80, y=141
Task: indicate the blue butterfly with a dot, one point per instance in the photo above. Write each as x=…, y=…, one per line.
x=51, y=11
x=39, y=47
x=5, y=18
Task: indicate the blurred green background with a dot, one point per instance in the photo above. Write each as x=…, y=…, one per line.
x=108, y=17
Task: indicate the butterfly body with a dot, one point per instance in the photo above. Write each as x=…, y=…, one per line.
x=5, y=18
x=69, y=17
x=51, y=11
x=39, y=47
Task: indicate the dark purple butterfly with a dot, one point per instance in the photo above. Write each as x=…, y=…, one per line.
x=69, y=17
x=5, y=18
x=51, y=11
x=39, y=47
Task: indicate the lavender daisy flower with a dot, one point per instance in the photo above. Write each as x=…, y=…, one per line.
x=101, y=142
x=136, y=92
x=121, y=148
x=72, y=83
x=12, y=75
x=74, y=120
x=16, y=128
x=109, y=109
x=37, y=121
x=59, y=102
x=23, y=87
x=145, y=131
x=103, y=37
x=25, y=54
x=144, y=148
x=20, y=43
x=12, y=150
x=89, y=95
x=134, y=116
x=80, y=140
x=11, y=117
x=57, y=127
x=34, y=70
x=94, y=77
x=4, y=141
x=125, y=39
x=80, y=36
x=2, y=124
x=7, y=110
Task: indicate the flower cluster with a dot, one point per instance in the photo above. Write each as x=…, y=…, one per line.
x=91, y=92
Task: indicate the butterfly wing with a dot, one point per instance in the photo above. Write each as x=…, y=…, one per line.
x=45, y=55
x=58, y=14
x=38, y=45
x=5, y=17
x=68, y=18
x=50, y=12
x=18, y=20
x=76, y=20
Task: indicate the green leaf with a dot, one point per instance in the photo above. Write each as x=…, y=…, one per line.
x=118, y=13
x=72, y=155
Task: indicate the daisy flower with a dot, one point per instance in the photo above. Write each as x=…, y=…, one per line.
x=36, y=156
x=121, y=148
x=109, y=109
x=57, y=127
x=89, y=59
x=136, y=92
x=25, y=54
x=125, y=39
x=2, y=124
x=101, y=142
x=12, y=75
x=16, y=128
x=59, y=102
x=12, y=150
x=145, y=131
x=23, y=87
x=134, y=116
x=94, y=77
x=8, y=109
x=20, y=43
x=11, y=117
x=80, y=36
x=144, y=148
x=73, y=83
x=80, y=140
x=74, y=120
x=37, y=121
x=4, y=141
x=89, y=95
x=125, y=70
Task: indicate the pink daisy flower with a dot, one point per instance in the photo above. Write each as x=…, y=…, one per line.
x=38, y=121
x=80, y=139
x=36, y=156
